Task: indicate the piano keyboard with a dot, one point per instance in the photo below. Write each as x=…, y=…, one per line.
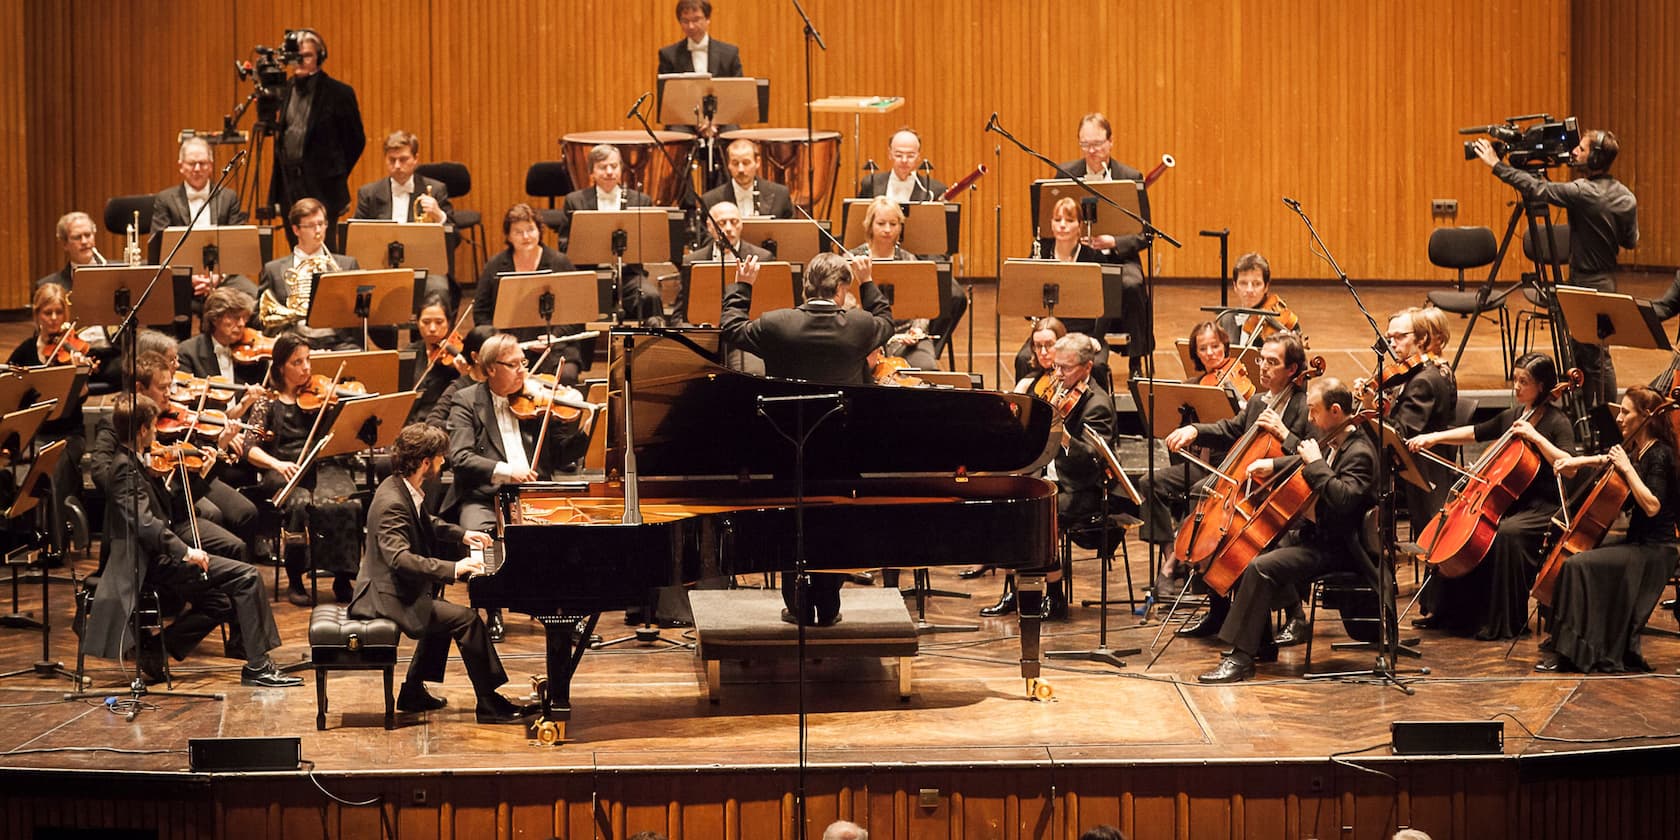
x=491, y=557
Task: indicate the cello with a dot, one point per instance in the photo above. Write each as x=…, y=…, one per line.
x=1207, y=526
x=1458, y=538
x=1601, y=501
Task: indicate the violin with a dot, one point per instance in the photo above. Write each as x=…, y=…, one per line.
x=890, y=371
x=1066, y=400
x=1600, y=501
x=68, y=348
x=189, y=389
x=448, y=352
x=164, y=459
x=1457, y=539
x=1205, y=530
x=564, y=402
x=1281, y=313
x=1233, y=372
x=319, y=391
x=252, y=347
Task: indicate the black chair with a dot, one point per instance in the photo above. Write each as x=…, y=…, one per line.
x=1353, y=593
x=469, y=224
x=151, y=613
x=549, y=179
x=1463, y=248
x=119, y=214
x=1535, y=252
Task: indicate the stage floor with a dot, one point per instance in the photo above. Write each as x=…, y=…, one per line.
x=641, y=707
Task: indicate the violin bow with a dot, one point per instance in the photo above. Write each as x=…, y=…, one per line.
x=460, y=321
x=63, y=339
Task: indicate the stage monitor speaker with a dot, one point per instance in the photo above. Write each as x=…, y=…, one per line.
x=222, y=755
x=1447, y=737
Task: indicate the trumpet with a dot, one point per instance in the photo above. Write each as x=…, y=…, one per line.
x=419, y=210
x=131, y=242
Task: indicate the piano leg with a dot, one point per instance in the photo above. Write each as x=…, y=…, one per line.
x=1029, y=596
x=567, y=638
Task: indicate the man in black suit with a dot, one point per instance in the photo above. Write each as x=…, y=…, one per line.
x=607, y=192
x=405, y=197
x=752, y=196
x=902, y=183
x=1096, y=142
x=169, y=565
x=320, y=139
x=674, y=293
x=76, y=232
x=308, y=225
x=176, y=206
x=1340, y=464
x=820, y=341
x=210, y=353
x=401, y=568
x=698, y=52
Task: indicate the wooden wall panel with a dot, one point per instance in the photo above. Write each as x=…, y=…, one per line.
x=14, y=136
x=1625, y=79
x=1348, y=107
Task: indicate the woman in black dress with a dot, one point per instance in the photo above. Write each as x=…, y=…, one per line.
x=1491, y=601
x=1605, y=595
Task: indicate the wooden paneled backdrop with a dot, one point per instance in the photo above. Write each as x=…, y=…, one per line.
x=1349, y=107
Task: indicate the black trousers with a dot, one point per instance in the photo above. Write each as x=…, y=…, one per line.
x=431, y=650
x=1273, y=581
x=229, y=589
x=822, y=597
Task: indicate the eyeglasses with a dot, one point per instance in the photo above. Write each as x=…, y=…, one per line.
x=1043, y=345
x=1398, y=336
x=1061, y=368
x=1092, y=145
x=197, y=164
x=519, y=365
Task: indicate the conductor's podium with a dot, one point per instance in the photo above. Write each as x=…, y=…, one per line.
x=747, y=624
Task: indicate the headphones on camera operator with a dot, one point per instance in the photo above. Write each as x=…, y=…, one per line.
x=1602, y=151
x=295, y=37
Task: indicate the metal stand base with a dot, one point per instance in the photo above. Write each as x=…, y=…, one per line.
x=1383, y=670
x=646, y=634
x=1099, y=655
x=49, y=669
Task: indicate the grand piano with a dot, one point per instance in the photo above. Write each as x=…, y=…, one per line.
x=894, y=477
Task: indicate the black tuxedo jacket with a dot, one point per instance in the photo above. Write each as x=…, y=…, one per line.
x=1079, y=467
x=401, y=564
x=927, y=188
x=475, y=444
x=721, y=59
x=584, y=199
x=170, y=209
x=818, y=341
x=141, y=542
x=773, y=199
x=332, y=144
x=373, y=201
x=198, y=357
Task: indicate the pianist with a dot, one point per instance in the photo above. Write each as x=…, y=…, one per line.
x=401, y=568
x=820, y=341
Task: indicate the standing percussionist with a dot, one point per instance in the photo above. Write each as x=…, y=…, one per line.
x=1339, y=463
x=819, y=341
x=1603, y=218
x=321, y=136
x=403, y=564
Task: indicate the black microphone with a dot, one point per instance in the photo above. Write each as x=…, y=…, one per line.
x=233, y=162
x=636, y=107
x=991, y=124
x=1292, y=204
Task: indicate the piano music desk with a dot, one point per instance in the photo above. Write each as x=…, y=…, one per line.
x=747, y=624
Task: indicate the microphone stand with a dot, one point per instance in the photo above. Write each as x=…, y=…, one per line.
x=811, y=36
x=800, y=437
x=688, y=200
x=126, y=335
x=1388, y=641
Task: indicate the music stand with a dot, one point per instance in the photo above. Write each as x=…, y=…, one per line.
x=911, y=287
x=683, y=99
x=1189, y=402
x=346, y=299
x=228, y=249
x=1102, y=654
x=617, y=237
x=772, y=290
x=930, y=227
x=791, y=240
x=361, y=426
x=1127, y=194
x=1609, y=318
x=1039, y=288
x=49, y=384
x=1405, y=463
x=104, y=293
x=388, y=244
x=539, y=299
x=376, y=369
x=36, y=486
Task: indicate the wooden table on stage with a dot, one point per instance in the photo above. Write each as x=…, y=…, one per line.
x=857, y=106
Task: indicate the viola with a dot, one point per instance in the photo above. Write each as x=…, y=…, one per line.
x=1458, y=538
x=1207, y=527
x=164, y=459
x=252, y=347
x=320, y=390
x=1600, y=501
x=1281, y=313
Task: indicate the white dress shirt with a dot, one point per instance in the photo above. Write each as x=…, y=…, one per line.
x=401, y=197
x=195, y=200
x=899, y=190
x=224, y=359
x=609, y=201
x=699, y=54
x=744, y=198
x=512, y=443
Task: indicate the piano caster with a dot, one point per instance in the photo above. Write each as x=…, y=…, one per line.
x=547, y=732
x=1040, y=690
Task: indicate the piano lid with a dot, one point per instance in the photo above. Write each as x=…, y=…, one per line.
x=694, y=417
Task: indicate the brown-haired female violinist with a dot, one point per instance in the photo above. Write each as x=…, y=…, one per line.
x=1603, y=596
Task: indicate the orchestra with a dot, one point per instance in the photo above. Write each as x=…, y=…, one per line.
x=214, y=436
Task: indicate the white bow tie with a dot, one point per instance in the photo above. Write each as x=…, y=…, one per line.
x=399, y=189
x=203, y=195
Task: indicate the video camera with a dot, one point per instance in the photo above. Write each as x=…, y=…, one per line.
x=1539, y=146
x=267, y=69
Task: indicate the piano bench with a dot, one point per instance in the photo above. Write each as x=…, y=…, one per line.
x=747, y=624
x=338, y=642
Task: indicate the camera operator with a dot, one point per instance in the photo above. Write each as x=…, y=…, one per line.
x=1603, y=217
x=320, y=137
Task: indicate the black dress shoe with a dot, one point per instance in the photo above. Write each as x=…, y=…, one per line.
x=973, y=572
x=1207, y=626
x=1426, y=622
x=299, y=597
x=828, y=621
x=1232, y=668
x=1293, y=633
x=342, y=589
x=1004, y=606
x=1055, y=606
x=152, y=666
x=415, y=698
x=497, y=628
x=494, y=708
x=268, y=676
x=1267, y=653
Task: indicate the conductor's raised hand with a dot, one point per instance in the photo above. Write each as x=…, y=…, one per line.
x=862, y=271
x=747, y=270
